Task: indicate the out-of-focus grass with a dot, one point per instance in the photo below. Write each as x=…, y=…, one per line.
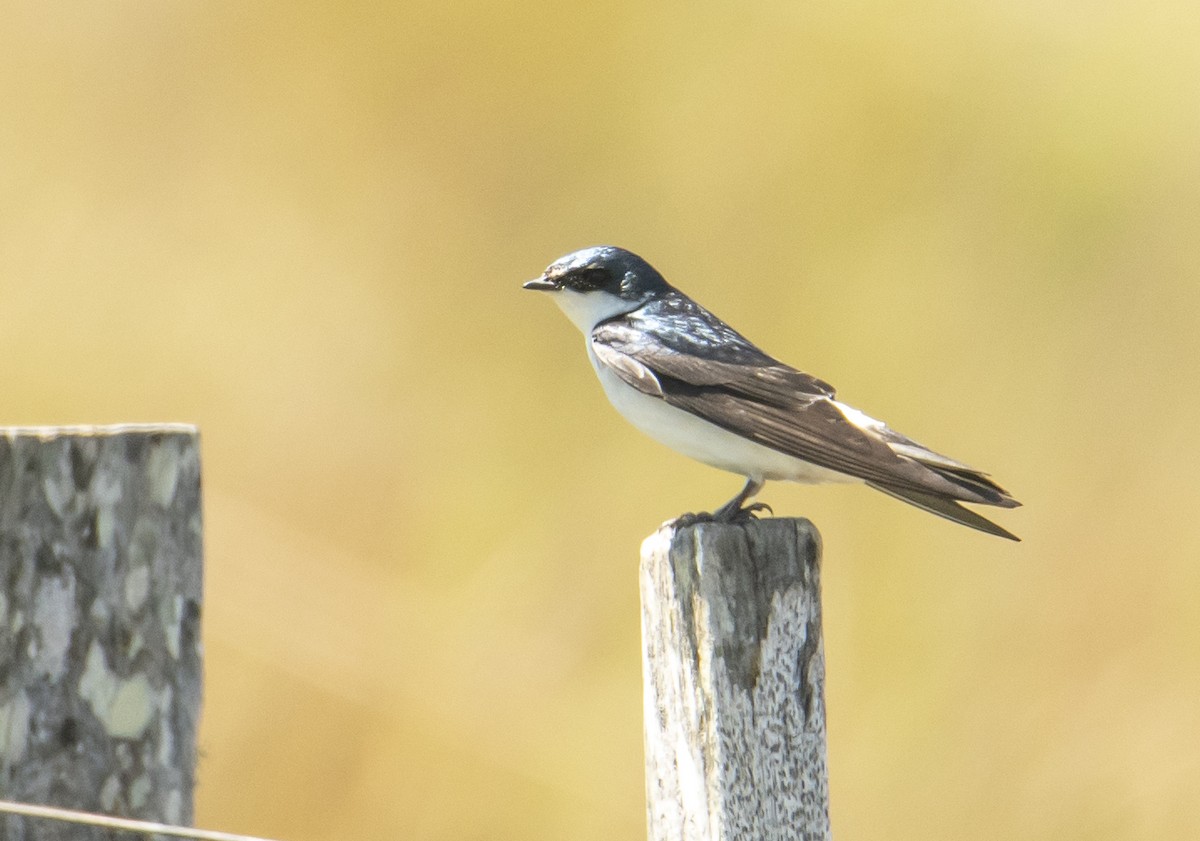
x=304, y=226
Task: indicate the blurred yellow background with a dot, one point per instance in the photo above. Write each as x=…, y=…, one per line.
x=304, y=226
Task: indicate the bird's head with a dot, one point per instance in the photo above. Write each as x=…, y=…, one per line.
x=597, y=283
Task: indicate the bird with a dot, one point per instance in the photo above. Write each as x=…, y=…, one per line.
x=690, y=381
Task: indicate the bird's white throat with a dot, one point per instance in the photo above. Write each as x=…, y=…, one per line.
x=587, y=309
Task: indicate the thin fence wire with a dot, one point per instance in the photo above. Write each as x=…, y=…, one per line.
x=29, y=810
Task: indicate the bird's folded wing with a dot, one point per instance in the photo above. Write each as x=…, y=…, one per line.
x=770, y=403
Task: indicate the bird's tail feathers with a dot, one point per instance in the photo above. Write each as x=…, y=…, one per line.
x=977, y=486
x=950, y=509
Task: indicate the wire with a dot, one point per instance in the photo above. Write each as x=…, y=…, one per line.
x=126, y=824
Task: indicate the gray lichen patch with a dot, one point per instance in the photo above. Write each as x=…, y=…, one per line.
x=162, y=471
x=137, y=587
x=166, y=736
x=100, y=564
x=106, y=493
x=58, y=486
x=125, y=707
x=173, y=807
x=14, y=729
x=54, y=617
x=139, y=791
x=109, y=792
x=173, y=627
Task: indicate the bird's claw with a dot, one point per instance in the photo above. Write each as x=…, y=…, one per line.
x=724, y=515
x=683, y=521
x=751, y=510
x=743, y=514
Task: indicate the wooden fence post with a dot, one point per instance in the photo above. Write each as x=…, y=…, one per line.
x=100, y=590
x=734, y=671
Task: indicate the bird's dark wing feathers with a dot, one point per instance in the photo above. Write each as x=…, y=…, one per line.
x=700, y=349
x=747, y=392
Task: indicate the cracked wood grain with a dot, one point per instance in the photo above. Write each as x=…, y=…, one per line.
x=734, y=674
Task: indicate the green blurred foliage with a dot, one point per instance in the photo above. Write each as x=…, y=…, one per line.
x=303, y=226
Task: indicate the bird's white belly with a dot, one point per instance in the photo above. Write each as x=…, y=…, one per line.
x=697, y=438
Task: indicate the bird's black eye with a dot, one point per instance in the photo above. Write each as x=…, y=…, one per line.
x=586, y=280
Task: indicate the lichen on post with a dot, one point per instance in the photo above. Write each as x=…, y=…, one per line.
x=100, y=594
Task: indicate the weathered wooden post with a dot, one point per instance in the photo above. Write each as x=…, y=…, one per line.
x=100, y=586
x=734, y=670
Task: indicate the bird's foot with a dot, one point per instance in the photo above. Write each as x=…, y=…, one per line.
x=731, y=512
x=683, y=521
x=724, y=514
x=741, y=514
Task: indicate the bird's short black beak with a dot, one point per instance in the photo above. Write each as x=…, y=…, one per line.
x=541, y=284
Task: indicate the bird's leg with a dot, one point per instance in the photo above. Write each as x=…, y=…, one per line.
x=733, y=512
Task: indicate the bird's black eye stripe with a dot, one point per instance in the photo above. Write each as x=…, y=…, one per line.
x=586, y=279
